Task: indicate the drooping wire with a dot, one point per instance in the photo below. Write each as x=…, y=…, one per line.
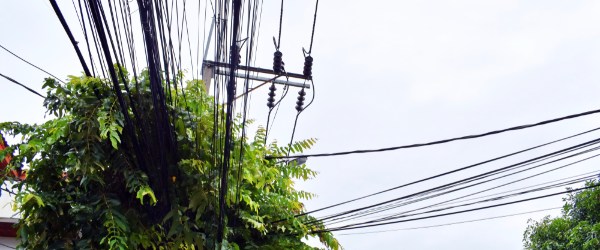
x=464, y=205
x=278, y=65
x=278, y=44
x=363, y=151
x=307, y=72
x=250, y=31
x=299, y=110
x=387, y=205
x=484, y=175
x=456, y=212
x=507, y=175
x=495, y=196
x=453, y=201
x=63, y=22
x=96, y=40
x=272, y=105
x=87, y=42
x=81, y=20
x=33, y=65
x=392, y=206
x=452, y=223
x=453, y=184
x=312, y=36
x=449, y=172
x=22, y=85
x=588, y=176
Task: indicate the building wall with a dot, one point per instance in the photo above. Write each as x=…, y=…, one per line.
x=8, y=243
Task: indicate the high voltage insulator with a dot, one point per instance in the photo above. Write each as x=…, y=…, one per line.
x=300, y=102
x=271, y=99
x=308, y=63
x=278, y=64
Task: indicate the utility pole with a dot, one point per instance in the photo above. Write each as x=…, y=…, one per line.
x=212, y=68
x=231, y=86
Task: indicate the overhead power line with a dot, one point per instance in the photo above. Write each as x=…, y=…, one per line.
x=33, y=65
x=61, y=18
x=388, y=207
x=456, y=212
x=363, y=151
x=460, y=200
x=493, y=199
x=20, y=84
x=448, y=172
x=589, y=175
x=392, y=206
x=453, y=223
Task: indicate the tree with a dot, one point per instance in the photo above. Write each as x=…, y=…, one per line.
x=577, y=228
x=85, y=190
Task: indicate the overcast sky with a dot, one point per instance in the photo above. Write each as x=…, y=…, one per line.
x=390, y=73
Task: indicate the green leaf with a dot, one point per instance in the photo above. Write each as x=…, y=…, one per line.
x=38, y=201
x=146, y=191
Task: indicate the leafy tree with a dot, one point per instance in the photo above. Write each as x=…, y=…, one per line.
x=577, y=228
x=84, y=189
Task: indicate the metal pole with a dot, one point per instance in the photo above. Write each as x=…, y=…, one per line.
x=207, y=71
x=231, y=86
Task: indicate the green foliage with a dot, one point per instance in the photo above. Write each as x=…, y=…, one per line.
x=577, y=228
x=84, y=189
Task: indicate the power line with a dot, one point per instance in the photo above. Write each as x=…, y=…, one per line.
x=397, y=215
x=363, y=151
x=20, y=84
x=459, y=201
x=449, y=172
x=456, y=212
x=312, y=36
x=17, y=56
x=497, y=198
x=396, y=205
x=280, y=24
x=361, y=210
x=453, y=223
x=63, y=22
x=307, y=72
x=379, y=209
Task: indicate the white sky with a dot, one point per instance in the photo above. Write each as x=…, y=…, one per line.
x=391, y=73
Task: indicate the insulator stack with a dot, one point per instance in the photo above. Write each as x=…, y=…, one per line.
x=278, y=62
x=308, y=63
x=271, y=100
x=300, y=102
